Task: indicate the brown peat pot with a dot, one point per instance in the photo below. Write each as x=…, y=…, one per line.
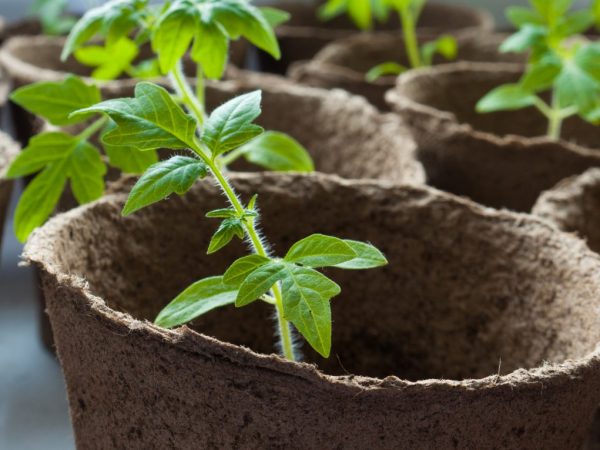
x=500, y=159
x=344, y=134
x=29, y=59
x=482, y=332
x=8, y=151
x=345, y=62
x=305, y=34
x=574, y=206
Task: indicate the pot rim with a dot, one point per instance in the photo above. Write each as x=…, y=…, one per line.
x=40, y=250
x=10, y=151
x=399, y=102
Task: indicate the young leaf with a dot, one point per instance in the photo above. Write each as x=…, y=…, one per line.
x=520, y=16
x=274, y=16
x=223, y=213
x=110, y=61
x=86, y=171
x=529, y=36
x=42, y=150
x=198, y=299
x=383, y=69
x=114, y=19
x=445, y=45
x=56, y=100
x=210, y=50
x=52, y=16
x=150, y=121
x=227, y=230
x=360, y=13
x=230, y=125
x=319, y=250
x=39, y=199
x=259, y=282
x=306, y=295
x=174, y=33
x=174, y=175
x=578, y=84
x=506, y=97
x=367, y=257
x=279, y=152
x=241, y=268
x=128, y=159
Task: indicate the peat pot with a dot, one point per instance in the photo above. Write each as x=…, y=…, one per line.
x=482, y=332
x=344, y=134
x=29, y=59
x=305, y=34
x=574, y=206
x=8, y=151
x=345, y=62
x=499, y=159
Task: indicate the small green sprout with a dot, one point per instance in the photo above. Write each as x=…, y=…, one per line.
x=53, y=16
x=156, y=118
x=562, y=65
x=365, y=12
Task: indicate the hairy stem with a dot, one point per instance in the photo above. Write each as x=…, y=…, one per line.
x=183, y=89
x=200, y=94
x=410, y=37
x=92, y=129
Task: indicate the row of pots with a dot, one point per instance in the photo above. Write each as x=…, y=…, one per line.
x=500, y=300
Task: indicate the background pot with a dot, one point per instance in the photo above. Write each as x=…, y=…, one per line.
x=466, y=287
x=343, y=133
x=495, y=159
x=30, y=59
x=8, y=151
x=305, y=34
x=345, y=62
x=25, y=27
x=574, y=206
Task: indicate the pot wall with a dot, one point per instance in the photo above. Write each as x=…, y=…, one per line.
x=465, y=287
x=8, y=151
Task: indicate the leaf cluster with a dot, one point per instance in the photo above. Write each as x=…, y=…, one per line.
x=53, y=16
x=561, y=61
x=204, y=28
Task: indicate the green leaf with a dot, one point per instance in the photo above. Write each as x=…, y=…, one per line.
x=174, y=175
x=150, y=121
x=227, y=230
x=331, y=9
x=110, y=61
x=39, y=199
x=445, y=45
x=114, y=19
x=211, y=50
x=278, y=151
x=520, y=16
x=55, y=101
x=259, y=282
x=551, y=10
x=52, y=15
x=242, y=268
x=173, y=36
x=360, y=13
x=240, y=18
x=128, y=159
x=306, y=295
x=383, y=69
x=274, y=16
x=541, y=75
x=198, y=299
x=528, y=37
x=42, y=150
x=319, y=250
x=230, y=125
x=223, y=213
x=575, y=23
x=578, y=84
x=86, y=171
x=367, y=257
x=506, y=97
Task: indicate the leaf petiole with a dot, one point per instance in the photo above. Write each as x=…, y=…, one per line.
x=185, y=92
x=92, y=129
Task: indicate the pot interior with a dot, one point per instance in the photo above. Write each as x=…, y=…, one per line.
x=457, y=90
x=464, y=289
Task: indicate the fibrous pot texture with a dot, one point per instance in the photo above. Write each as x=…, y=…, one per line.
x=500, y=159
x=305, y=34
x=574, y=206
x=481, y=333
x=345, y=62
x=8, y=151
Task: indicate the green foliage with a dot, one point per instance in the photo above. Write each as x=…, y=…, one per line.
x=53, y=16
x=561, y=62
x=202, y=28
x=56, y=101
x=277, y=151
